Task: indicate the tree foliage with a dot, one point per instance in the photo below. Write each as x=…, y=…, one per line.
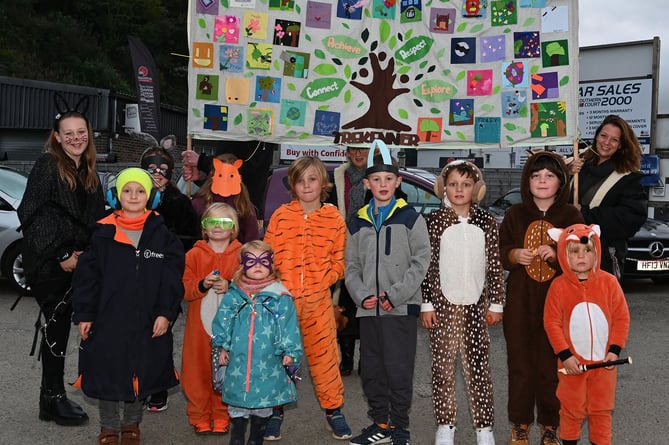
x=86, y=42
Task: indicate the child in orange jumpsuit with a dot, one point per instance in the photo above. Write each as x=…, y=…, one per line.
x=587, y=321
x=308, y=238
x=210, y=265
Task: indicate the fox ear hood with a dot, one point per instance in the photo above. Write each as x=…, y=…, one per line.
x=580, y=233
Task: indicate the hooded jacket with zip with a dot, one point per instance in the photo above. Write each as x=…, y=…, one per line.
x=258, y=332
x=122, y=290
x=393, y=259
x=530, y=359
x=514, y=230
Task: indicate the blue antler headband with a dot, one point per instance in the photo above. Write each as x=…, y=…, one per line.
x=387, y=165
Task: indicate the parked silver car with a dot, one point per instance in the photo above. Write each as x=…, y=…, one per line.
x=12, y=186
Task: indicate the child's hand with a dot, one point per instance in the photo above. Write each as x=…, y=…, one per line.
x=287, y=360
x=369, y=302
x=224, y=358
x=85, y=329
x=221, y=285
x=160, y=326
x=494, y=318
x=571, y=366
x=214, y=278
x=609, y=358
x=428, y=319
x=546, y=253
x=385, y=303
x=524, y=256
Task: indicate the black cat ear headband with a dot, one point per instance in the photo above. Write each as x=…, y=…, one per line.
x=64, y=109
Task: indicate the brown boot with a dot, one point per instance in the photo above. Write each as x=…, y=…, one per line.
x=520, y=434
x=108, y=437
x=549, y=435
x=130, y=435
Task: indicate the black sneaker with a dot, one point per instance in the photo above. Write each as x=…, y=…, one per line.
x=273, y=430
x=336, y=422
x=371, y=435
x=157, y=402
x=399, y=436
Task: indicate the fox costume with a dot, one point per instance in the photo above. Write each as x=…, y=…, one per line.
x=585, y=318
x=204, y=405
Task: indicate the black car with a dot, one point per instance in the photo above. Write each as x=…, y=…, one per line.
x=648, y=252
x=648, y=249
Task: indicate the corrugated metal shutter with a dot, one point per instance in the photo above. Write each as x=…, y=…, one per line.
x=29, y=104
x=22, y=145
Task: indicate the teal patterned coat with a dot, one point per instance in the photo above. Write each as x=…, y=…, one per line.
x=258, y=332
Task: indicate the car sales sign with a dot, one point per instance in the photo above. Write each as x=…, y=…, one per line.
x=631, y=99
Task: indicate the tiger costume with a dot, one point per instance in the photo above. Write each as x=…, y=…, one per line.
x=309, y=254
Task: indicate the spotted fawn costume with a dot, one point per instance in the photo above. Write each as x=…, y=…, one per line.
x=462, y=247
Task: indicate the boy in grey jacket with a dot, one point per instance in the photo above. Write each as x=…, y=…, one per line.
x=387, y=255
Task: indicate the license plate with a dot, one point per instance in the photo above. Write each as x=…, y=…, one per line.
x=653, y=265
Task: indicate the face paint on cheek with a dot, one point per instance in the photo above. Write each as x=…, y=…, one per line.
x=72, y=139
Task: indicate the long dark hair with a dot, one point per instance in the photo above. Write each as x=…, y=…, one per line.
x=67, y=170
x=628, y=156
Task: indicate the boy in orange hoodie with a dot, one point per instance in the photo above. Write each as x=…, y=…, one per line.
x=587, y=321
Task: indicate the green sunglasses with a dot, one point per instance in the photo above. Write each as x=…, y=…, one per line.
x=223, y=223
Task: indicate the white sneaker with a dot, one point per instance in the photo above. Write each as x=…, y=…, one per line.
x=445, y=435
x=484, y=436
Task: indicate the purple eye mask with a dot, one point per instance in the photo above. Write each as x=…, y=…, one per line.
x=249, y=260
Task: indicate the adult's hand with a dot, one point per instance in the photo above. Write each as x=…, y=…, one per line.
x=190, y=159
x=71, y=263
x=576, y=165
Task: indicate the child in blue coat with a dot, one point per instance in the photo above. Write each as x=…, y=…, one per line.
x=256, y=325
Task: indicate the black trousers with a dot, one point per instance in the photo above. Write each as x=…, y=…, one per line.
x=50, y=296
x=388, y=354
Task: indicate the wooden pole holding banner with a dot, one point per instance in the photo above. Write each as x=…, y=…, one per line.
x=576, y=155
x=189, y=147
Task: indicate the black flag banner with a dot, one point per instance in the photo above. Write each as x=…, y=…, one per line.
x=146, y=80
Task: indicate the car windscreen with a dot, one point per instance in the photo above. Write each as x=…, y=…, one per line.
x=13, y=183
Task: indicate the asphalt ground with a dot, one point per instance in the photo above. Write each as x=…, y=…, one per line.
x=640, y=417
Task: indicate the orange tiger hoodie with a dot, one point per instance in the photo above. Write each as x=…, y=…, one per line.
x=309, y=254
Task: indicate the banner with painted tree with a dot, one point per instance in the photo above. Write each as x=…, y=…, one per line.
x=414, y=73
